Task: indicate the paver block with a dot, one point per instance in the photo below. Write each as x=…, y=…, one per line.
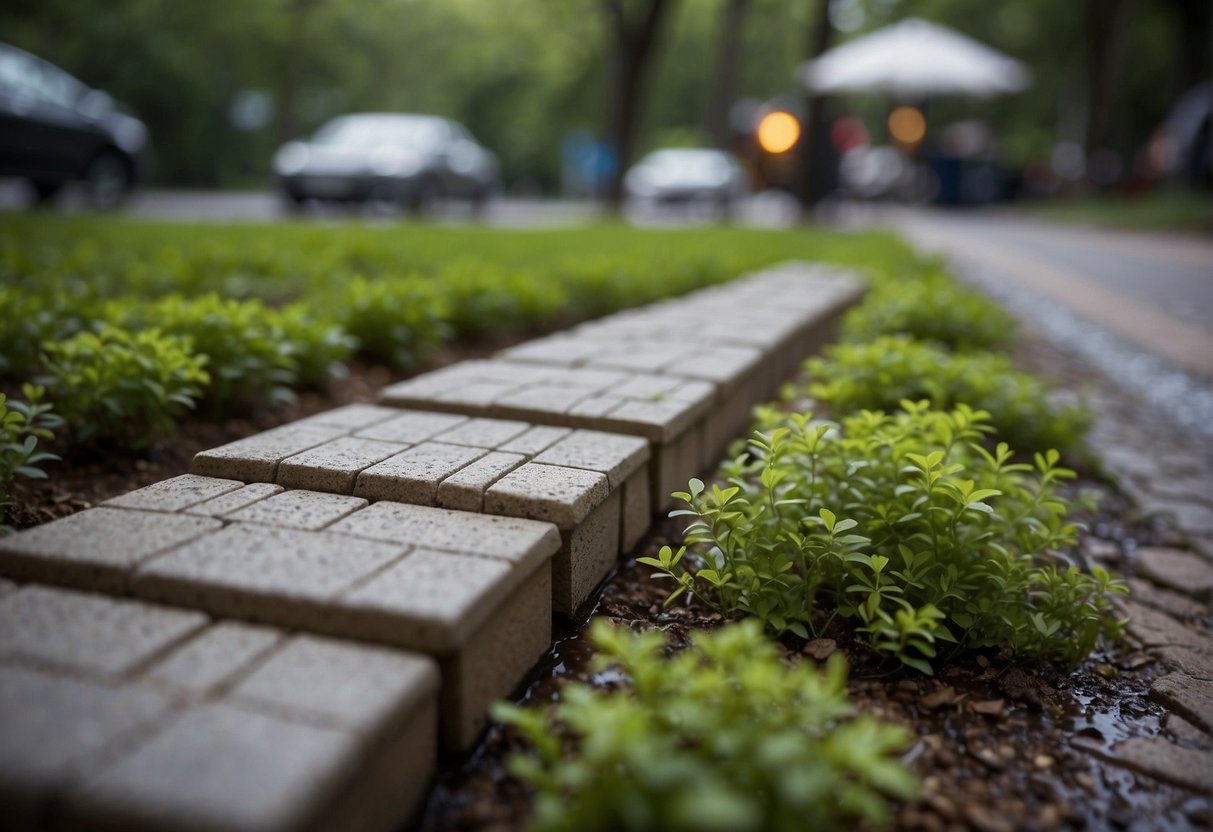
x=329, y=683
x=635, y=510
x=220, y=767
x=56, y=728
x=235, y=500
x=587, y=556
x=334, y=465
x=412, y=427
x=309, y=510
x=1178, y=570
x=88, y=634
x=256, y=458
x=212, y=658
x=413, y=476
x=618, y=456
x=97, y=548
x=483, y=433
x=534, y=441
x=351, y=417
x=175, y=494
x=564, y=496
x=464, y=490
x=1186, y=696
x=260, y=573
x=1166, y=761
x=525, y=543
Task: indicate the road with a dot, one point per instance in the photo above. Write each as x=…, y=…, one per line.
x=1154, y=290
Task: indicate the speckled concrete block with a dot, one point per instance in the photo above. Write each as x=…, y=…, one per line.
x=256, y=458
x=98, y=548
x=413, y=476
x=412, y=427
x=175, y=494
x=211, y=659
x=483, y=433
x=236, y=500
x=464, y=490
x=351, y=417
x=334, y=465
x=88, y=634
x=308, y=510
x=560, y=495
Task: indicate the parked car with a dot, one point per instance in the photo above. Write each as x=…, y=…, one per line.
x=55, y=129
x=408, y=160
x=687, y=176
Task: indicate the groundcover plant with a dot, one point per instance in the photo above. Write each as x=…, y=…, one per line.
x=719, y=736
x=901, y=525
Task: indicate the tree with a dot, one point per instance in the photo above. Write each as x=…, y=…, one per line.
x=632, y=32
x=728, y=54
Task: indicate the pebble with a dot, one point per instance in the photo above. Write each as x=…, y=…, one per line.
x=1042, y=761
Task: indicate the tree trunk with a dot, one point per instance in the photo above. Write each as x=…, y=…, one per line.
x=630, y=47
x=1105, y=25
x=722, y=91
x=809, y=185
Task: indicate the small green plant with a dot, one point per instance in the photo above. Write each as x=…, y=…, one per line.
x=398, y=321
x=878, y=374
x=929, y=307
x=902, y=525
x=721, y=736
x=23, y=424
x=121, y=385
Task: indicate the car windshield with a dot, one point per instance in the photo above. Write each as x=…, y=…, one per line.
x=689, y=164
x=374, y=131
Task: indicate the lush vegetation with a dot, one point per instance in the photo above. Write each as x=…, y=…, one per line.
x=903, y=526
x=22, y=424
x=129, y=325
x=878, y=374
x=720, y=736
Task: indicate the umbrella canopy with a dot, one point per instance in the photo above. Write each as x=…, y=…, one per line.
x=916, y=59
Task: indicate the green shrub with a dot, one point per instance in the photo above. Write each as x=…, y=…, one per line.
x=121, y=385
x=722, y=736
x=879, y=374
x=319, y=346
x=33, y=317
x=485, y=299
x=929, y=307
x=22, y=424
x=398, y=321
x=902, y=525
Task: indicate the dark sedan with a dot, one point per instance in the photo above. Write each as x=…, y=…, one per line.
x=390, y=158
x=55, y=129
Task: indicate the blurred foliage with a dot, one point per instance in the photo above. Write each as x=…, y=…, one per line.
x=1161, y=210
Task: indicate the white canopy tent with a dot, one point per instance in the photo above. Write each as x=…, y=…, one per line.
x=913, y=60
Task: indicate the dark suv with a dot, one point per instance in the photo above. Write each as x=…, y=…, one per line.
x=54, y=130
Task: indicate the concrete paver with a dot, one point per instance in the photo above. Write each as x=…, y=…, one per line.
x=334, y=466
x=256, y=458
x=308, y=510
x=175, y=494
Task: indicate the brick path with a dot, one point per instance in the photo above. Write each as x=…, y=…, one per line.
x=288, y=636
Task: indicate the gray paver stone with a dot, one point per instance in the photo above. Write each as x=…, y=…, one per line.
x=1185, y=733
x=212, y=659
x=413, y=476
x=1185, y=660
x=483, y=433
x=464, y=489
x=56, y=727
x=612, y=454
x=97, y=548
x=1190, y=698
x=236, y=500
x=279, y=576
x=174, y=494
x=367, y=690
x=334, y=465
x=1155, y=629
x=564, y=496
x=635, y=508
x=351, y=417
x=589, y=552
x=1164, y=600
x=1178, y=570
x=1167, y=761
x=309, y=510
x=522, y=542
x=88, y=634
x=220, y=767
x=412, y=427
x=535, y=440
x=256, y=458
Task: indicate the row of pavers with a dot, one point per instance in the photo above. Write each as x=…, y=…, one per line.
x=298, y=626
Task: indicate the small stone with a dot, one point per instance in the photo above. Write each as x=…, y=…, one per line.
x=990, y=707
x=986, y=819
x=989, y=758
x=938, y=698
x=821, y=648
x=1042, y=761
x=1178, y=570
x=1166, y=761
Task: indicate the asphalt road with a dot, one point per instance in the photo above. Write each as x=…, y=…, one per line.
x=1154, y=290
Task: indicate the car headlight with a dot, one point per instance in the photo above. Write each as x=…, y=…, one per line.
x=290, y=159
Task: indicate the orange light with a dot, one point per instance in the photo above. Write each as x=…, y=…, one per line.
x=778, y=132
x=906, y=125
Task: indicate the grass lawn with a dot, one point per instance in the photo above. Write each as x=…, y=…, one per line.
x=1171, y=210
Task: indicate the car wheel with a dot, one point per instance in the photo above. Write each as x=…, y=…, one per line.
x=107, y=181
x=45, y=190
x=425, y=198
